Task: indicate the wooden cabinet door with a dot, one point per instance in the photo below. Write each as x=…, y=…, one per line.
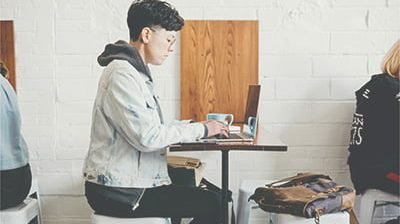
x=7, y=50
x=219, y=60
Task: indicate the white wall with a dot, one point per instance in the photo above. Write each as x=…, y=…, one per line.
x=313, y=55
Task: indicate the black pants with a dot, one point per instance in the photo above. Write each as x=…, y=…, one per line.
x=14, y=186
x=165, y=201
x=365, y=178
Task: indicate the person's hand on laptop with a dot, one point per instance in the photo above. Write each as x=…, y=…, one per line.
x=216, y=128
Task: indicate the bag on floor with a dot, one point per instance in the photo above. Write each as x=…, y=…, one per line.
x=306, y=194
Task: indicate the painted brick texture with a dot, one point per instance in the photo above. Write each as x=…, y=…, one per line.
x=313, y=56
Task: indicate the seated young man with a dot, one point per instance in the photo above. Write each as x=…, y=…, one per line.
x=126, y=168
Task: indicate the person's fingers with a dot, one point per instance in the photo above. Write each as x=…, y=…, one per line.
x=216, y=127
x=224, y=130
x=226, y=133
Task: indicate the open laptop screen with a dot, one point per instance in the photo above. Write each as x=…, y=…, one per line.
x=251, y=113
x=250, y=122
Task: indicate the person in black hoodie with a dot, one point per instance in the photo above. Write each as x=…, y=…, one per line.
x=374, y=142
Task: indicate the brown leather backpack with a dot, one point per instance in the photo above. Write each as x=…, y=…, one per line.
x=306, y=194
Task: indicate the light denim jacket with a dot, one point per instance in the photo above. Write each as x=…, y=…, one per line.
x=128, y=142
x=13, y=149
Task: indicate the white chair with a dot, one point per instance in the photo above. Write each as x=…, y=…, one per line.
x=245, y=207
x=368, y=203
x=333, y=218
x=248, y=209
x=34, y=193
x=101, y=219
x=24, y=213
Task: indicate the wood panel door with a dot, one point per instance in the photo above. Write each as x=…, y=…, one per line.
x=7, y=49
x=219, y=60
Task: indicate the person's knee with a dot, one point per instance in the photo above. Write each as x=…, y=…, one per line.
x=212, y=203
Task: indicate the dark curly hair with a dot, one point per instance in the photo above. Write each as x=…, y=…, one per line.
x=3, y=69
x=151, y=13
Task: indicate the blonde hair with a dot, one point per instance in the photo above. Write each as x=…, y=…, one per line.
x=3, y=69
x=391, y=61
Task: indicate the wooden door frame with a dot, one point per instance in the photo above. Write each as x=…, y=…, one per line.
x=7, y=49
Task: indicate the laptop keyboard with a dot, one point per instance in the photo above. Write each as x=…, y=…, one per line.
x=231, y=136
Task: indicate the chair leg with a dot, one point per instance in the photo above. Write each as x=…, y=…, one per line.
x=175, y=220
x=34, y=221
x=367, y=209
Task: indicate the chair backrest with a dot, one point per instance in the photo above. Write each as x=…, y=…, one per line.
x=368, y=202
x=101, y=219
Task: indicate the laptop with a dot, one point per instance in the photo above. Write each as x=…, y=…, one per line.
x=250, y=122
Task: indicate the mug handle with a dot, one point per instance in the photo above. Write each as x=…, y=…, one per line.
x=251, y=122
x=231, y=119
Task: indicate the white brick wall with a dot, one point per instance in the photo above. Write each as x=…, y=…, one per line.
x=313, y=56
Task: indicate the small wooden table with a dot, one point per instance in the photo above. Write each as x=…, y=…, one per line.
x=264, y=141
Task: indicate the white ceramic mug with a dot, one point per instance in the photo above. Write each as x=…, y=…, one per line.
x=226, y=118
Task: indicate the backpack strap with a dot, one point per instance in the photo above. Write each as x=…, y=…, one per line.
x=353, y=217
x=295, y=180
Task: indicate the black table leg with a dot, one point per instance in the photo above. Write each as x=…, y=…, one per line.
x=225, y=185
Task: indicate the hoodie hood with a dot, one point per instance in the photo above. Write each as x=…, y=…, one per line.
x=122, y=50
